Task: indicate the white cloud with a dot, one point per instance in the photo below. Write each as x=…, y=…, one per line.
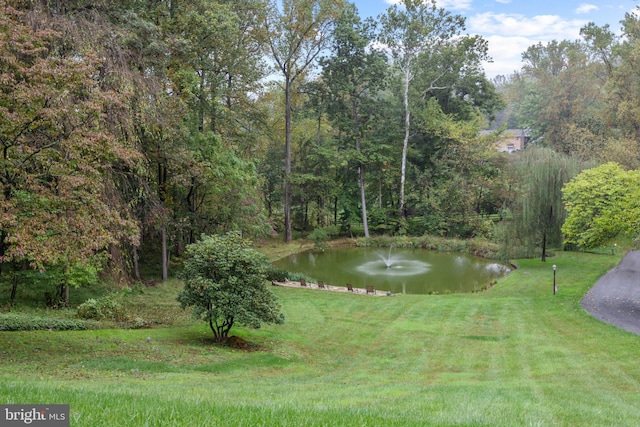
x=547, y=27
x=509, y=35
x=506, y=53
x=454, y=4
x=503, y=1
x=586, y=8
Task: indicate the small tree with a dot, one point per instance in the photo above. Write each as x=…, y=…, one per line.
x=225, y=284
x=538, y=212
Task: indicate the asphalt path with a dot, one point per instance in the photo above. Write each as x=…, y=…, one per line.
x=615, y=298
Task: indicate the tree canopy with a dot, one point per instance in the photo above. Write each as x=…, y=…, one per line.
x=59, y=154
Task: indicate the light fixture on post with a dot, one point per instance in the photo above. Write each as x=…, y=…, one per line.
x=555, y=286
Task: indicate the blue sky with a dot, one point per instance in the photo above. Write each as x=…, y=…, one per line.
x=511, y=26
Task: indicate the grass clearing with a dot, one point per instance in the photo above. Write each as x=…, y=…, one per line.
x=513, y=355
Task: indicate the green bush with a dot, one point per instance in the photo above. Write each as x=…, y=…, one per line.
x=28, y=322
x=106, y=307
x=296, y=277
x=137, y=323
x=277, y=274
x=319, y=236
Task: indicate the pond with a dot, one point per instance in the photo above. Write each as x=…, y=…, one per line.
x=412, y=271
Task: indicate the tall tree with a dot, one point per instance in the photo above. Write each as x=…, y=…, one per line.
x=418, y=27
x=193, y=111
x=624, y=87
x=354, y=75
x=566, y=97
x=58, y=154
x=297, y=32
x=458, y=176
x=216, y=61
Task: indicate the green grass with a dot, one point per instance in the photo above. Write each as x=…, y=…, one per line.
x=512, y=356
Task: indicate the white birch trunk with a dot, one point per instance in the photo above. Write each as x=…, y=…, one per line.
x=405, y=144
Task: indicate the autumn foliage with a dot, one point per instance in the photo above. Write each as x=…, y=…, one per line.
x=57, y=153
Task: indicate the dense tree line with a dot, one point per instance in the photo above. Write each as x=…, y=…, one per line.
x=130, y=128
x=579, y=100
x=581, y=97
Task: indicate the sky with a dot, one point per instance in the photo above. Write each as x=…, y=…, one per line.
x=511, y=26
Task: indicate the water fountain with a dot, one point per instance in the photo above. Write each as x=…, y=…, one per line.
x=388, y=260
x=393, y=265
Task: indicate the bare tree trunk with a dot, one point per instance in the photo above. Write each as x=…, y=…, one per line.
x=363, y=200
x=287, y=160
x=14, y=288
x=165, y=260
x=136, y=268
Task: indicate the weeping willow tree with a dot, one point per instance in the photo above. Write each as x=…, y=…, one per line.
x=538, y=211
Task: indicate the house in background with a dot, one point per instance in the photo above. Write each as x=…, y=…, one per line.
x=513, y=140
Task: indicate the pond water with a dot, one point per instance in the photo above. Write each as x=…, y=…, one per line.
x=412, y=271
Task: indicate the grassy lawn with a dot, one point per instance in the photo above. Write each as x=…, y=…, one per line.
x=512, y=356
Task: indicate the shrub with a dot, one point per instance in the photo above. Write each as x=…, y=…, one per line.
x=277, y=274
x=319, y=236
x=477, y=246
x=296, y=277
x=28, y=322
x=106, y=307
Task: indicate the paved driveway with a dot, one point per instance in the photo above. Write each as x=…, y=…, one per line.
x=615, y=298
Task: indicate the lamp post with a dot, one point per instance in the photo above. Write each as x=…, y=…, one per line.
x=555, y=287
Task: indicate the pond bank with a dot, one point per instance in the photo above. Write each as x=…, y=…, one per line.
x=325, y=287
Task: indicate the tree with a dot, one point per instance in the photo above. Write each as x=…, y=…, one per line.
x=354, y=76
x=624, y=84
x=216, y=65
x=539, y=212
x=458, y=174
x=58, y=154
x=615, y=66
x=420, y=27
x=565, y=98
x=225, y=284
x=601, y=203
x=297, y=33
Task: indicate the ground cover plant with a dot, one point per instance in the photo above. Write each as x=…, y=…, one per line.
x=513, y=355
